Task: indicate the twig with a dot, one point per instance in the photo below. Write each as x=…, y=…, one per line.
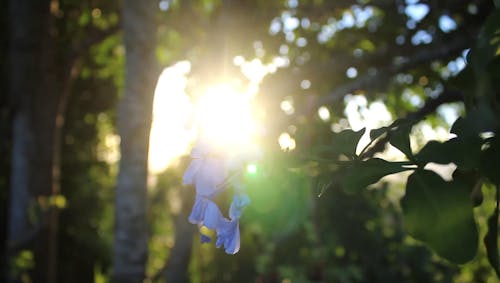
x=424, y=55
x=429, y=107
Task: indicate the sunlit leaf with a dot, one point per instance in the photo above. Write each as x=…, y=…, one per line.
x=439, y=213
x=491, y=242
x=361, y=174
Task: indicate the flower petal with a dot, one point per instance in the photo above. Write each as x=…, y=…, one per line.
x=210, y=174
x=237, y=205
x=212, y=216
x=190, y=173
x=198, y=212
x=200, y=150
x=228, y=235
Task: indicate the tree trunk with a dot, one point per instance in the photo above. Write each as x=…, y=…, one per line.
x=134, y=122
x=35, y=93
x=178, y=262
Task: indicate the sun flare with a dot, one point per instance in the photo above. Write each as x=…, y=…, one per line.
x=225, y=118
x=222, y=115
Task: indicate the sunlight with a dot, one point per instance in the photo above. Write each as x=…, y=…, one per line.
x=221, y=116
x=225, y=118
x=170, y=138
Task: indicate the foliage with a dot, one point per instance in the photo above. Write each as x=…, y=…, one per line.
x=436, y=211
x=311, y=218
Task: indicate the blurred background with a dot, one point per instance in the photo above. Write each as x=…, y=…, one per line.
x=94, y=92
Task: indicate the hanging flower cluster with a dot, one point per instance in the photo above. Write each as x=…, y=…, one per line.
x=211, y=173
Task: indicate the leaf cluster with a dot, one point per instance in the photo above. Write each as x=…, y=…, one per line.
x=436, y=211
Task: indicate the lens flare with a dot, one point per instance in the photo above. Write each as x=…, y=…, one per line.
x=225, y=118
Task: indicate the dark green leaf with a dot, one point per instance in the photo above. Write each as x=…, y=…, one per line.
x=472, y=179
x=464, y=153
x=400, y=137
x=485, y=47
x=346, y=142
x=439, y=213
x=490, y=161
x=458, y=127
x=361, y=174
x=481, y=118
x=375, y=133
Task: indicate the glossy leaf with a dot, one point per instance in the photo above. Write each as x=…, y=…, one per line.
x=439, y=213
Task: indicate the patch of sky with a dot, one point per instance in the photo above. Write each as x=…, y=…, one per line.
x=411, y=24
x=456, y=66
x=284, y=49
x=416, y=11
x=361, y=114
x=421, y=37
x=465, y=53
x=292, y=4
x=275, y=26
x=362, y=15
x=305, y=84
x=347, y=21
x=290, y=23
x=287, y=105
x=400, y=39
x=453, y=68
x=446, y=23
x=305, y=23
x=301, y=42
x=356, y=16
x=351, y=72
x=404, y=78
x=327, y=32
x=413, y=98
x=164, y=5
x=434, y=92
x=450, y=112
x=357, y=52
x=281, y=61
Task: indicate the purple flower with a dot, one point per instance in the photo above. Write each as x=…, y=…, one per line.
x=209, y=174
x=228, y=236
x=205, y=212
x=237, y=205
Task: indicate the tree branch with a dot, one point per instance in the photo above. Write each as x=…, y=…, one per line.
x=373, y=80
x=83, y=46
x=430, y=106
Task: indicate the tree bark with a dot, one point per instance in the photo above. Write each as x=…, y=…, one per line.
x=180, y=255
x=134, y=122
x=34, y=97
